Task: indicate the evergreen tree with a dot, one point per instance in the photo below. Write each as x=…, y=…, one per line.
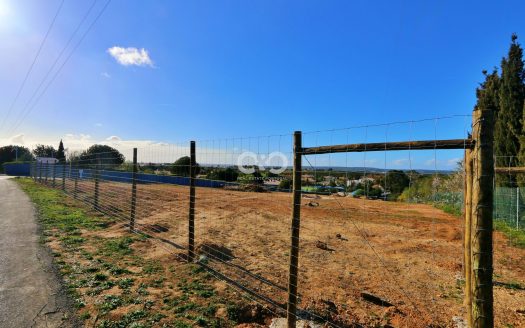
x=511, y=96
x=488, y=97
x=61, y=156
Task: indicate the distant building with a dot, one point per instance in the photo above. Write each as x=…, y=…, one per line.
x=47, y=160
x=364, y=180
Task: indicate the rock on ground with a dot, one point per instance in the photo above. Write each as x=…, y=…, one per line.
x=282, y=323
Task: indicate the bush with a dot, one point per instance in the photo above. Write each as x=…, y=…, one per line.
x=358, y=193
x=181, y=167
x=285, y=184
x=8, y=154
x=100, y=154
x=229, y=174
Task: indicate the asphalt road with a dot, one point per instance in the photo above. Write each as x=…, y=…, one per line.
x=30, y=290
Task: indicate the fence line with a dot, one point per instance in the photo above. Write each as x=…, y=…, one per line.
x=126, y=197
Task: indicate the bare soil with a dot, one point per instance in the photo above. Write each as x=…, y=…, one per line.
x=409, y=255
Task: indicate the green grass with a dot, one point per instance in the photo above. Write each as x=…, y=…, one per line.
x=516, y=237
x=95, y=270
x=117, y=246
x=453, y=209
x=55, y=212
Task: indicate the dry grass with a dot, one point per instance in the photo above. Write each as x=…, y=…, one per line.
x=407, y=254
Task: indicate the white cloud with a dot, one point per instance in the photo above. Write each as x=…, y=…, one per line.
x=453, y=161
x=400, y=162
x=18, y=139
x=98, y=125
x=105, y=74
x=431, y=162
x=114, y=139
x=78, y=141
x=131, y=56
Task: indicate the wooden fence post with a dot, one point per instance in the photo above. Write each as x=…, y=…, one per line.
x=481, y=226
x=191, y=216
x=64, y=176
x=97, y=168
x=296, y=222
x=133, y=192
x=467, y=235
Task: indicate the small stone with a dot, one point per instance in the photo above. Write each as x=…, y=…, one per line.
x=283, y=323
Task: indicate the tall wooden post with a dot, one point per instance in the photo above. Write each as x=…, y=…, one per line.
x=481, y=226
x=133, y=192
x=191, y=216
x=97, y=172
x=296, y=222
x=467, y=235
x=40, y=172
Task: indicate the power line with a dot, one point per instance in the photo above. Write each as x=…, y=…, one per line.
x=32, y=65
x=30, y=109
x=57, y=59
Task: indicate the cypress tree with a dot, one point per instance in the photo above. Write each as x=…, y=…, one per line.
x=488, y=97
x=511, y=96
x=61, y=156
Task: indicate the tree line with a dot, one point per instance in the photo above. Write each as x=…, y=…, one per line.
x=503, y=91
x=102, y=154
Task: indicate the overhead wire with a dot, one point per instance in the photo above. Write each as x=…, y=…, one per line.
x=28, y=110
x=30, y=69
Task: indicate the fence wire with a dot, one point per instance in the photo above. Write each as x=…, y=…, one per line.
x=381, y=231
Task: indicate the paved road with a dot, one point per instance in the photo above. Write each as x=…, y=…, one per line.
x=30, y=293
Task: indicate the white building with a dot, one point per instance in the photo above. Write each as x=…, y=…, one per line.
x=46, y=160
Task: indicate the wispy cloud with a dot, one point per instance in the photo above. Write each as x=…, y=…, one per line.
x=105, y=75
x=114, y=139
x=431, y=162
x=18, y=139
x=131, y=56
x=453, y=161
x=400, y=162
x=98, y=125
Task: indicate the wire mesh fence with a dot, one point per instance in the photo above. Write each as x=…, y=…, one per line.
x=381, y=230
x=510, y=206
x=373, y=239
x=509, y=203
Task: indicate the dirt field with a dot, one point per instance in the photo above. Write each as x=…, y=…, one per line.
x=409, y=255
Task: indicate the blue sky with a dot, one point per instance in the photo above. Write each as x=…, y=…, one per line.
x=223, y=69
